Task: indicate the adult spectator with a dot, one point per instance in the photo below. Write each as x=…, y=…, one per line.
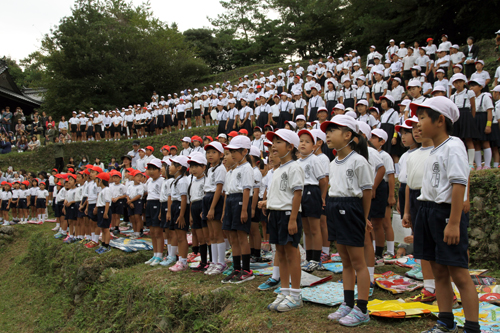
x=18, y=115
x=7, y=119
x=50, y=134
x=65, y=135
x=50, y=121
x=113, y=165
x=2, y=178
x=22, y=144
x=134, y=153
x=63, y=124
x=58, y=147
x=471, y=52
x=6, y=145
x=36, y=128
x=83, y=163
x=20, y=128
x=34, y=143
x=43, y=122
x=34, y=114
x=71, y=163
x=98, y=163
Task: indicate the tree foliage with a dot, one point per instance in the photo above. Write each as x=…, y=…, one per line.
x=109, y=54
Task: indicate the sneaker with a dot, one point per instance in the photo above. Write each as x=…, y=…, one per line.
x=53, y=229
x=98, y=251
x=219, y=269
x=379, y=261
x=115, y=232
x=150, y=260
x=168, y=261
x=310, y=267
x=419, y=276
x=320, y=267
x=440, y=327
x=156, y=261
x=200, y=268
x=389, y=258
x=211, y=267
x=290, y=303
x=325, y=258
x=178, y=267
x=105, y=249
x=58, y=235
x=228, y=271
x=5, y=223
x=479, y=168
x=228, y=278
x=355, y=318
x=91, y=245
x=72, y=240
x=277, y=301
x=304, y=264
x=270, y=283
x=424, y=296
x=243, y=276
x=411, y=273
x=341, y=312
x=67, y=240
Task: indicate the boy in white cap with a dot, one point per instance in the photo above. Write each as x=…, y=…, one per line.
x=483, y=119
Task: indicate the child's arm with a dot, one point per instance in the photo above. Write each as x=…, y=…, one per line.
x=367, y=201
x=223, y=208
x=378, y=178
x=169, y=205
x=452, y=230
x=323, y=186
x=217, y=195
x=473, y=106
x=487, y=130
x=106, y=209
x=255, y=200
x=406, y=215
x=392, y=199
x=180, y=221
x=467, y=201
x=292, y=223
x=244, y=207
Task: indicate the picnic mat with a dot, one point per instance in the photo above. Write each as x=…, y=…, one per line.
x=490, y=298
x=489, y=317
x=262, y=271
x=397, y=284
x=50, y=220
x=329, y=293
x=407, y=262
x=335, y=267
x=35, y=222
x=309, y=280
x=493, y=289
x=399, y=309
x=131, y=245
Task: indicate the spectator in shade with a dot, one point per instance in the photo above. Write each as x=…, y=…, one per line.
x=34, y=143
x=22, y=144
x=471, y=52
x=63, y=124
x=6, y=145
x=20, y=128
x=113, y=165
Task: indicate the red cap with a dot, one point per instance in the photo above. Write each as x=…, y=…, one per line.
x=27, y=183
x=3, y=183
x=103, y=176
x=86, y=171
x=6, y=183
x=58, y=175
x=208, y=137
x=65, y=176
x=96, y=169
x=165, y=147
x=60, y=184
x=173, y=147
x=130, y=169
x=115, y=173
x=89, y=166
x=55, y=170
x=144, y=174
x=197, y=138
x=150, y=148
x=135, y=172
x=71, y=175
x=243, y=131
x=233, y=134
x=71, y=170
x=430, y=39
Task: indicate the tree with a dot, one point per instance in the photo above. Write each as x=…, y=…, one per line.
x=110, y=54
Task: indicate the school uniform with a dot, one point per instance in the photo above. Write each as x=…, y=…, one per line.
x=388, y=121
x=23, y=201
x=285, y=113
x=422, y=62
x=379, y=202
x=164, y=194
x=349, y=177
x=83, y=124
x=5, y=197
x=262, y=114
x=240, y=179
x=33, y=192
x=117, y=190
x=446, y=165
x=59, y=202
x=402, y=178
x=369, y=119
x=361, y=93
x=197, y=108
x=222, y=119
x=247, y=124
x=179, y=188
x=78, y=200
x=153, y=202
x=464, y=127
x=180, y=112
x=378, y=90
x=311, y=196
x=196, y=194
x=92, y=193
x=71, y=210
x=315, y=103
x=284, y=181
x=495, y=130
x=74, y=121
x=186, y=151
x=15, y=197
x=231, y=118
x=215, y=176
x=103, y=198
x=483, y=104
x=483, y=75
x=348, y=97
x=397, y=94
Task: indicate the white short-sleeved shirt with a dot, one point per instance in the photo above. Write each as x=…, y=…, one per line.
x=117, y=190
x=214, y=178
x=483, y=103
x=179, y=188
x=324, y=163
x=23, y=194
x=154, y=188
x=361, y=92
x=196, y=191
x=140, y=164
x=375, y=160
x=104, y=197
x=6, y=195
x=186, y=152
x=135, y=190
x=350, y=176
x=462, y=99
x=446, y=165
x=61, y=195
x=397, y=93
x=227, y=180
x=285, y=180
x=403, y=162
x=369, y=119
x=70, y=195
x=415, y=167
x=33, y=191
x=422, y=61
x=165, y=189
x=313, y=172
x=390, y=116
x=242, y=179
x=79, y=193
x=92, y=192
x=15, y=193
x=257, y=178
x=483, y=75
x=388, y=164
x=379, y=87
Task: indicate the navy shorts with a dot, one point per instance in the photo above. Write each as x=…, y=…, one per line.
x=311, y=201
x=432, y=219
x=60, y=206
x=414, y=205
x=257, y=217
x=23, y=203
x=277, y=227
x=4, y=205
x=379, y=203
x=232, y=215
x=71, y=212
x=207, y=203
x=55, y=207
x=101, y=221
x=174, y=215
x=79, y=213
x=153, y=213
x=346, y=221
x=117, y=207
x=164, y=210
x=402, y=198
x=41, y=203
x=137, y=210
x=263, y=218
x=90, y=209
x=198, y=221
x=51, y=188
x=13, y=204
x=32, y=201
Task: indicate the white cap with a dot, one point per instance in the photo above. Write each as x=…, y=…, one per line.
x=220, y=103
x=439, y=104
x=308, y=132
x=441, y=50
x=388, y=61
x=197, y=157
x=380, y=133
x=365, y=129
x=388, y=97
x=297, y=93
x=372, y=47
x=351, y=114
x=182, y=160
x=397, y=79
x=339, y=106
x=405, y=102
x=286, y=135
x=378, y=71
x=480, y=61
x=322, y=108
x=416, y=68
x=319, y=134
x=458, y=66
x=301, y=117
x=496, y=89
x=398, y=127
x=232, y=101
x=222, y=135
x=441, y=71
x=216, y=145
x=498, y=32
x=346, y=79
x=411, y=121
x=342, y=120
x=438, y=88
x=254, y=151
x=363, y=102
x=414, y=83
x=296, y=64
x=156, y=162
x=391, y=41
x=479, y=81
x=292, y=123
x=186, y=139
x=239, y=142
x=356, y=64
x=362, y=78
x=455, y=46
x=402, y=43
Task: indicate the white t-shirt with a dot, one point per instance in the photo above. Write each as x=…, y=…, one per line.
x=402, y=177
x=369, y=119
x=92, y=192
x=483, y=103
x=462, y=99
x=350, y=176
x=117, y=190
x=214, y=178
x=154, y=188
x=415, y=167
x=324, y=163
x=374, y=160
x=135, y=190
x=388, y=164
x=179, y=188
x=313, y=172
x=196, y=192
x=165, y=189
x=61, y=195
x=390, y=116
x=285, y=180
x=241, y=179
x=104, y=197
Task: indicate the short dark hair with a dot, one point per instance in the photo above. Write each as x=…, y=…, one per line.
x=434, y=115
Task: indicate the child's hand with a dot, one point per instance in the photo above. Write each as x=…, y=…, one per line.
x=191, y=222
x=392, y=200
x=452, y=234
x=132, y=205
x=181, y=222
x=262, y=204
x=105, y=215
x=394, y=141
x=487, y=129
x=292, y=226
x=408, y=239
x=466, y=206
x=244, y=216
x=114, y=199
x=253, y=213
x=168, y=216
x=406, y=222
x=323, y=202
x=369, y=225
x=397, y=207
x=95, y=211
x=210, y=215
x=374, y=193
x=87, y=211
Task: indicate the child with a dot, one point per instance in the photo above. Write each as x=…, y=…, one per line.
x=153, y=210
x=41, y=201
x=483, y=120
x=362, y=108
x=381, y=210
x=169, y=238
x=238, y=209
x=33, y=190
x=245, y=115
x=70, y=208
x=312, y=201
x=102, y=211
x=186, y=144
x=134, y=203
x=14, y=202
x=441, y=225
x=197, y=145
x=285, y=224
x=351, y=180
x=197, y=167
x=92, y=193
x=6, y=197
x=347, y=94
x=118, y=195
x=255, y=237
x=23, y=202
x=464, y=128
x=258, y=140
x=481, y=74
x=388, y=120
x=59, y=212
x=379, y=89
x=178, y=209
x=213, y=202
x=79, y=211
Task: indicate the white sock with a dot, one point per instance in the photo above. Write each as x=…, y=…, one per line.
x=58, y=225
x=495, y=164
x=63, y=232
x=487, y=157
x=390, y=247
x=221, y=251
x=374, y=245
x=174, y=251
x=295, y=293
x=183, y=260
x=165, y=242
x=215, y=252
x=477, y=158
x=43, y=217
x=276, y=273
x=304, y=240
x=430, y=285
x=228, y=246
x=39, y=217
x=325, y=249
x=470, y=154
x=371, y=270
x=87, y=237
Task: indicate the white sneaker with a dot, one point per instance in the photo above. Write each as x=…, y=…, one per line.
x=6, y=223
x=155, y=262
x=150, y=261
x=210, y=268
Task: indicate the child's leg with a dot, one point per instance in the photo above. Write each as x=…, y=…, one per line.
x=283, y=266
x=378, y=230
x=182, y=243
x=369, y=255
x=220, y=243
x=294, y=272
x=356, y=255
x=233, y=238
x=468, y=293
x=496, y=157
x=315, y=241
x=389, y=232
x=152, y=234
x=265, y=235
x=324, y=235
x=348, y=275
x=255, y=239
x=244, y=248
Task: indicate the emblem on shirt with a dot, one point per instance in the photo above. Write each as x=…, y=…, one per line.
x=200, y=191
x=238, y=180
x=307, y=171
x=212, y=179
x=284, y=182
x=350, y=178
x=435, y=175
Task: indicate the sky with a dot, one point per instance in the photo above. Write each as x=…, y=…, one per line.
x=25, y=22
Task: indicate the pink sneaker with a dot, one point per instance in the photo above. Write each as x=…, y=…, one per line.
x=55, y=229
x=219, y=269
x=178, y=267
x=479, y=168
